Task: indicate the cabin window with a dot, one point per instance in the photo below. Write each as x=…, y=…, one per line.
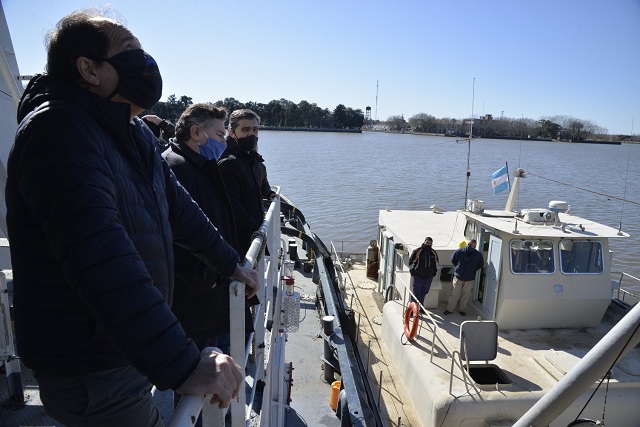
x=470, y=231
x=581, y=257
x=532, y=257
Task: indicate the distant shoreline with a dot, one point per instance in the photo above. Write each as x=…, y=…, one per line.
x=506, y=138
x=301, y=129
x=295, y=129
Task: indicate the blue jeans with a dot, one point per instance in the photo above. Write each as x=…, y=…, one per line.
x=421, y=287
x=116, y=397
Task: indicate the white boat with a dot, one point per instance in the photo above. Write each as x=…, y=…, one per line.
x=540, y=306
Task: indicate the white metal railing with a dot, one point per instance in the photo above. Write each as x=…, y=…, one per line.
x=625, y=287
x=352, y=249
x=267, y=314
x=437, y=335
x=341, y=268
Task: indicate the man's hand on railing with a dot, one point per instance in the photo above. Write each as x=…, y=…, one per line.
x=249, y=277
x=216, y=374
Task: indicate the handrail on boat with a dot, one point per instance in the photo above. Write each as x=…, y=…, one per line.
x=625, y=290
x=350, y=245
x=274, y=401
x=339, y=262
x=439, y=335
x=431, y=323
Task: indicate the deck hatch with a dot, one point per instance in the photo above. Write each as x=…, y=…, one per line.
x=479, y=343
x=478, y=340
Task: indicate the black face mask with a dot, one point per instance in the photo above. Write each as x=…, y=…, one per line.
x=248, y=143
x=140, y=80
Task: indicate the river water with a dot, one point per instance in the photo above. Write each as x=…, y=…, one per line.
x=341, y=180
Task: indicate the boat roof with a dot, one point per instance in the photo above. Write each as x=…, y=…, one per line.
x=447, y=228
x=567, y=226
x=411, y=227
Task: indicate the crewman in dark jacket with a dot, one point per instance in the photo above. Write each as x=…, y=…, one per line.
x=466, y=261
x=92, y=211
x=423, y=265
x=237, y=166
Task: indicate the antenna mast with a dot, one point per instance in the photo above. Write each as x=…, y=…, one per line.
x=377, y=82
x=466, y=190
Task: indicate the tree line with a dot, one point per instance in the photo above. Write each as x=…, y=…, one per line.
x=277, y=113
x=564, y=128
x=283, y=113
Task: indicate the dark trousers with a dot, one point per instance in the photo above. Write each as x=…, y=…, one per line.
x=116, y=397
x=421, y=287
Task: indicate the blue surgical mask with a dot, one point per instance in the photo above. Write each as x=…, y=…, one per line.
x=213, y=149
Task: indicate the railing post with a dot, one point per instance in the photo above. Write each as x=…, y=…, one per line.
x=237, y=309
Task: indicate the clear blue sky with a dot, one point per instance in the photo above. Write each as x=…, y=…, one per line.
x=578, y=58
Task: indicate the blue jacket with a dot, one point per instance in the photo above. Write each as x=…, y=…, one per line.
x=92, y=211
x=467, y=261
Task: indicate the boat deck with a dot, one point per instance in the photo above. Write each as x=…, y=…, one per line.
x=396, y=407
x=533, y=361
x=310, y=392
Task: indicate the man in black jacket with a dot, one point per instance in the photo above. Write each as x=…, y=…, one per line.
x=423, y=267
x=237, y=165
x=92, y=211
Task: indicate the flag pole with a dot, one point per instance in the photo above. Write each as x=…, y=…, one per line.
x=506, y=165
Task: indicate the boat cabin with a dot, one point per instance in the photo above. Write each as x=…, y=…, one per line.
x=544, y=268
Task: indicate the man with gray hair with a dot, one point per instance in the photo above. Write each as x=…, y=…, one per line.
x=201, y=297
x=91, y=239
x=201, y=128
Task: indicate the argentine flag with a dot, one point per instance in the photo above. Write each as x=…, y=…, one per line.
x=500, y=180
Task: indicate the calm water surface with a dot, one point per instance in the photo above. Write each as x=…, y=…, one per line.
x=340, y=181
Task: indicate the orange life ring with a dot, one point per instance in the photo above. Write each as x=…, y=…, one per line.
x=412, y=311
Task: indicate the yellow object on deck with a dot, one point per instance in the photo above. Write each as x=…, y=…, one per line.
x=333, y=397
